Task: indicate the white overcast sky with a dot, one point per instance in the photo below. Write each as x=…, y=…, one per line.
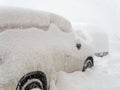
x=106, y=13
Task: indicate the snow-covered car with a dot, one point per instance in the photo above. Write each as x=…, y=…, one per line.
x=34, y=45
x=94, y=35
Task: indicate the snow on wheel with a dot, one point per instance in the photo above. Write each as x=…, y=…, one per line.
x=88, y=63
x=33, y=81
x=36, y=89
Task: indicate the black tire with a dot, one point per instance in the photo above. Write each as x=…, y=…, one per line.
x=89, y=63
x=32, y=80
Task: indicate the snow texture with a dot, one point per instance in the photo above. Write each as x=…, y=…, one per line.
x=23, y=50
x=104, y=76
x=106, y=73
x=24, y=18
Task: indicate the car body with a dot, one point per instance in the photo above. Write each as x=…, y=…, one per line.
x=34, y=45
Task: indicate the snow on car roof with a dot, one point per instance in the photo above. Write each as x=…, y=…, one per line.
x=25, y=18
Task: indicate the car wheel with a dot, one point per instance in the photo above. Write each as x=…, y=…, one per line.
x=33, y=80
x=88, y=63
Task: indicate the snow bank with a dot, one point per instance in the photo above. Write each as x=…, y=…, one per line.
x=25, y=18
x=104, y=76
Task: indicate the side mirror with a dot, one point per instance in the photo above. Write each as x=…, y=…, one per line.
x=78, y=46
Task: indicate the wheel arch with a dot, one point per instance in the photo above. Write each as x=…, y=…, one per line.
x=91, y=58
x=32, y=75
x=88, y=58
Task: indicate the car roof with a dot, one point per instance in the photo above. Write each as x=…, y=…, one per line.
x=25, y=18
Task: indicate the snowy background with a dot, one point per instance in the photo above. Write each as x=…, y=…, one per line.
x=103, y=13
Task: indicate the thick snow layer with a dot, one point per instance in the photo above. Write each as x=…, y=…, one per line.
x=23, y=51
x=37, y=41
x=106, y=12
x=105, y=75
x=25, y=18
